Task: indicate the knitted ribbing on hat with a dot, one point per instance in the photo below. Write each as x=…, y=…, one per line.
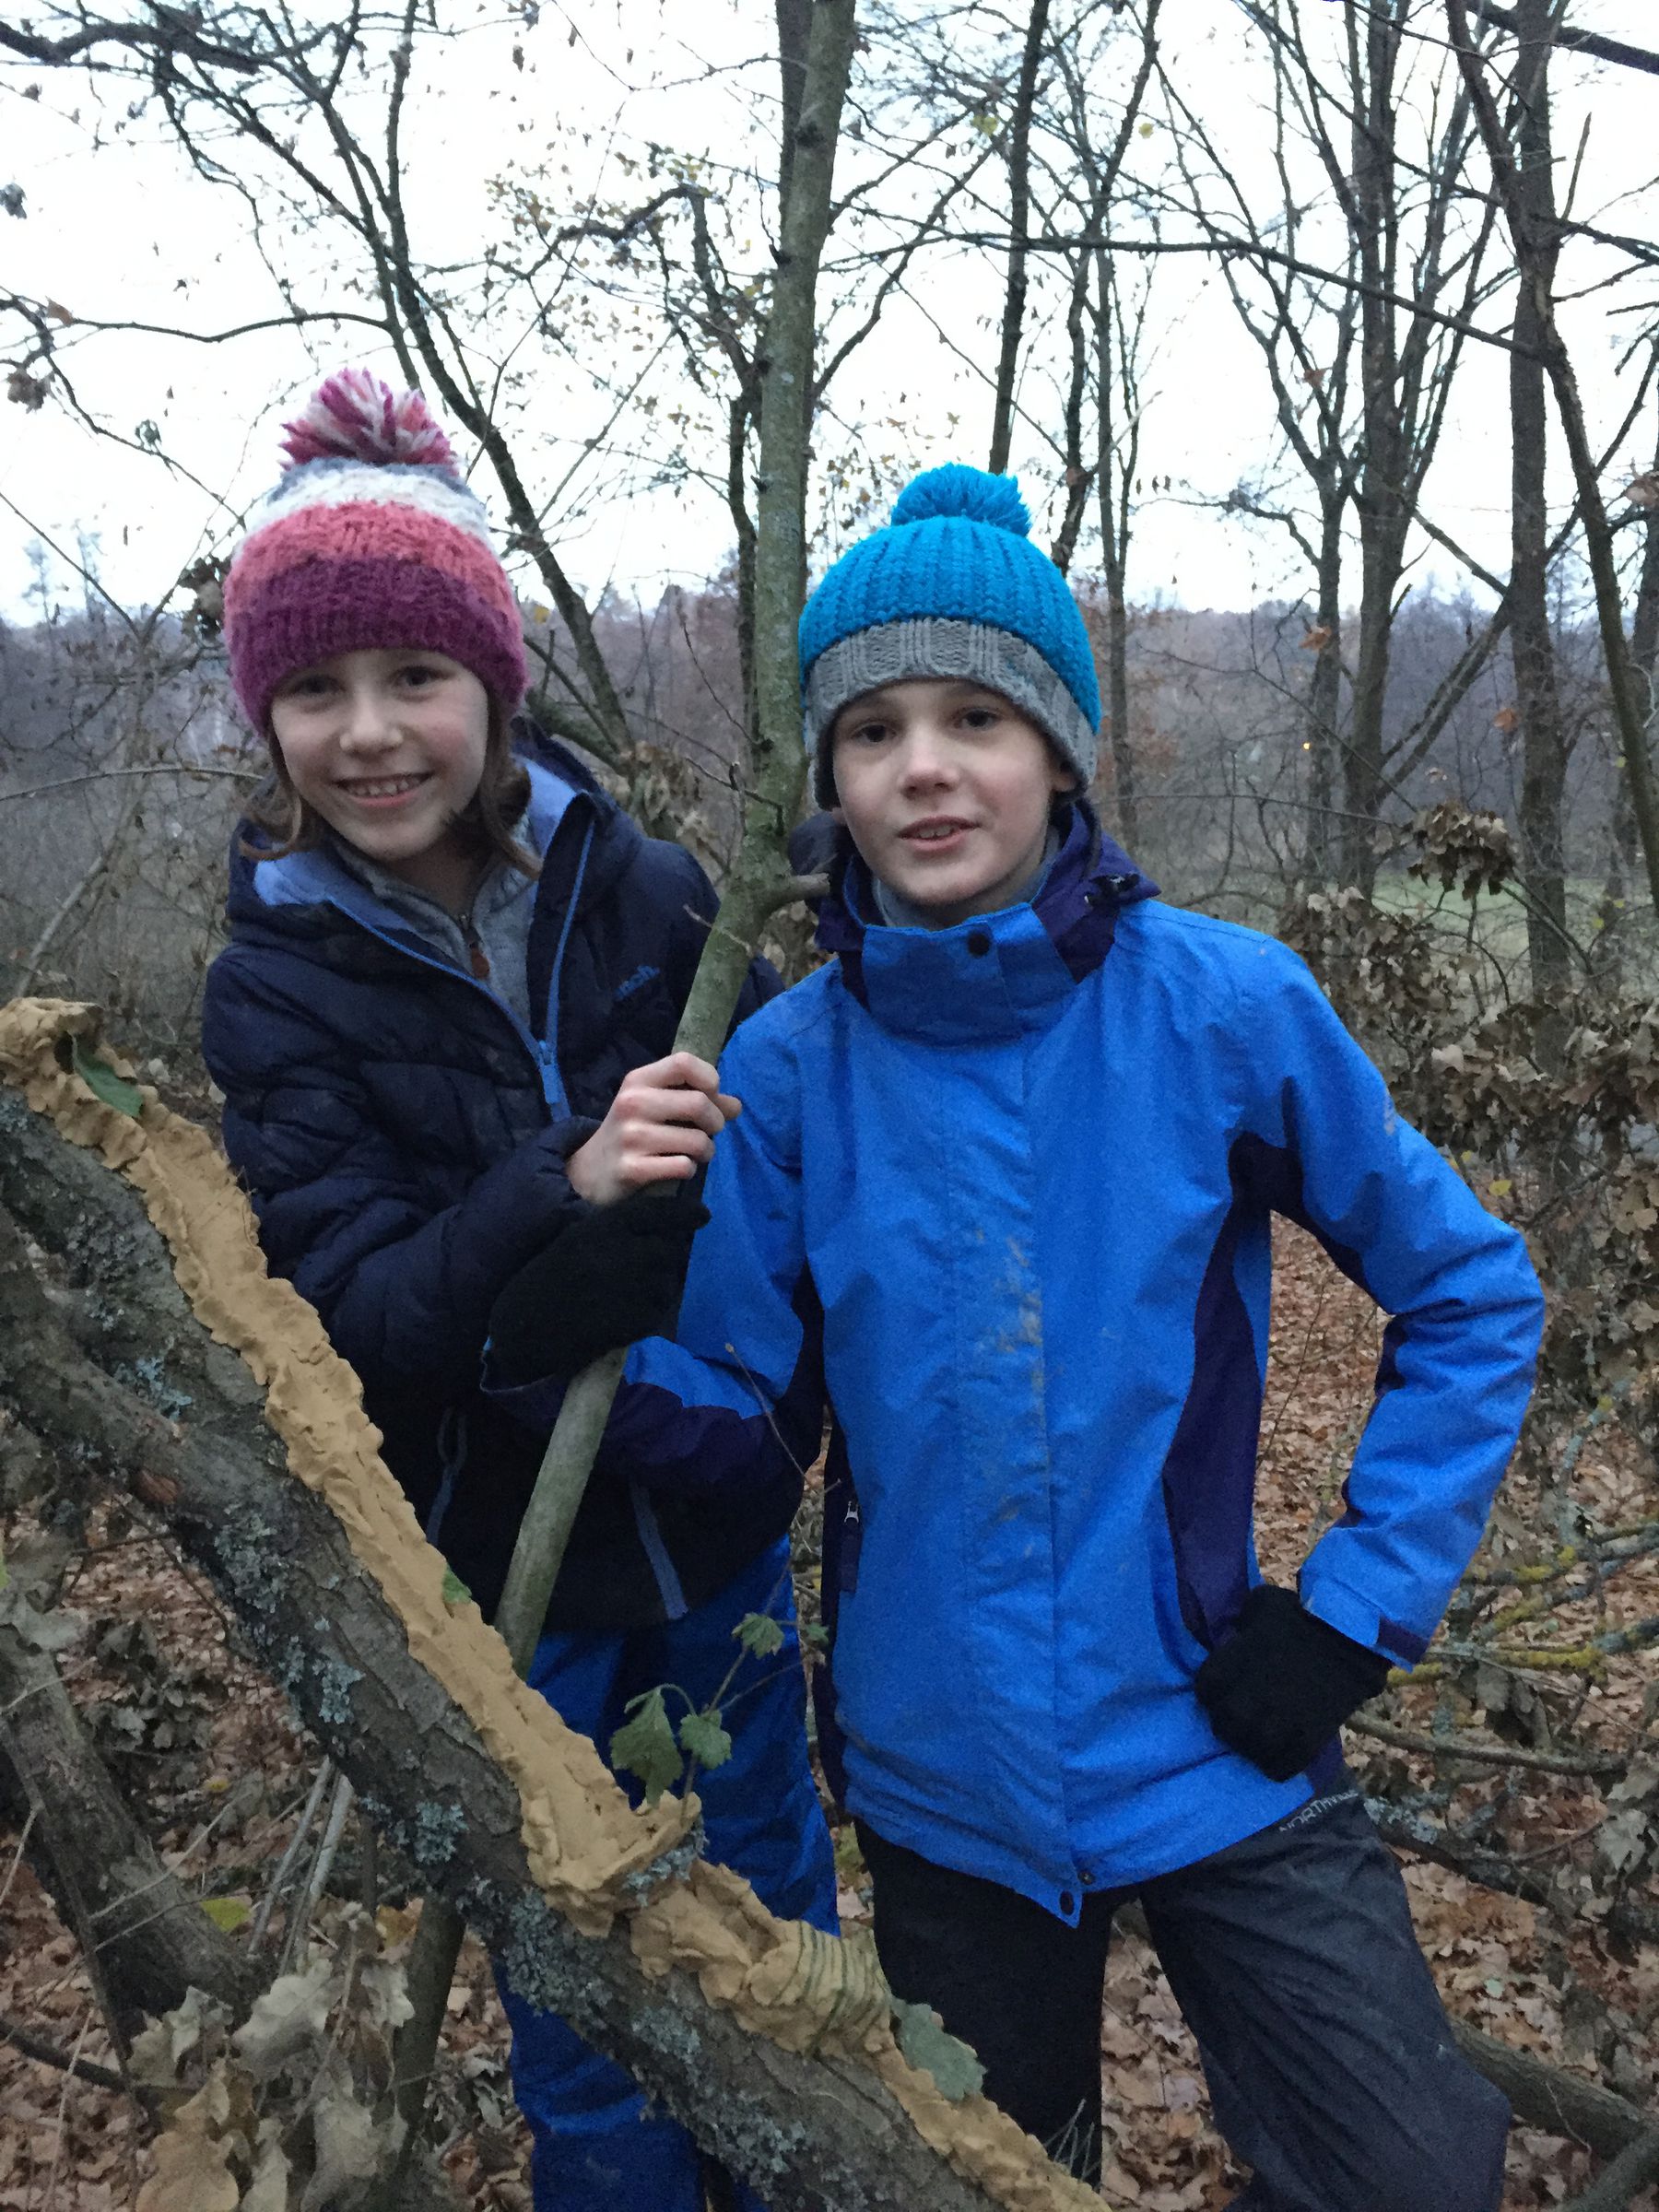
x=370, y=538
x=952, y=587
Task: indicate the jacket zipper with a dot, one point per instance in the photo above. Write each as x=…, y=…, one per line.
x=478, y=957
x=542, y=1055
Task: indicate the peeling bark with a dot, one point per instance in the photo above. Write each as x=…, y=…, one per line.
x=813, y=2134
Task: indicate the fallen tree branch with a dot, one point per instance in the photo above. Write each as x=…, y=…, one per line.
x=1414, y=1832
x=149, y=1939
x=1549, y=2097
x=711, y=2004
x=1613, y=2188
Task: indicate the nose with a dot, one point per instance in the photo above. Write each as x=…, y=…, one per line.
x=370, y=725
x=928, y=763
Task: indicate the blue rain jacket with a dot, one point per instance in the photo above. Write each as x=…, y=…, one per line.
x=1003, y=1192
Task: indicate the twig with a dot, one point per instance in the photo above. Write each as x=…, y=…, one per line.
x=35, y=2046
x=103, y=775
x=293, y=1936
x=262, y=1919
x=42, y=945
x=62, y=2114
x=20, y=1846
x=1607, y=1763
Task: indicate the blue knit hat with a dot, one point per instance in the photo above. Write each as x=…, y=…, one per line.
x=952, y=587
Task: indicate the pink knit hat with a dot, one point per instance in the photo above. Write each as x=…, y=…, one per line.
x=370, y=538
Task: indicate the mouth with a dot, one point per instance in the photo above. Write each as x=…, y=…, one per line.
x=937, y=831
x=380, y=790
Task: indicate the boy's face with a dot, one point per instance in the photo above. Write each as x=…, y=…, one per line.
x=945, y=789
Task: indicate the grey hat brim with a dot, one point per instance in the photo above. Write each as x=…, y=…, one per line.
x=933, y=645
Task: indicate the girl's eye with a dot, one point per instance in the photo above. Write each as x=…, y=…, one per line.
x=314, y=685
x=418, y=675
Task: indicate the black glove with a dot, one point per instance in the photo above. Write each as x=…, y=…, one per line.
x=607, y=1280
x=1283, y=1684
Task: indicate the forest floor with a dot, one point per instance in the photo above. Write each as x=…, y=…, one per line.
x=206, y=1745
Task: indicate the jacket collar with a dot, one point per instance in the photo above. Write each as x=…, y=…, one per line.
x=997, y=976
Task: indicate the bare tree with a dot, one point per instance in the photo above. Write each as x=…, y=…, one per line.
x=1390, y=346
x=1107, y=340
x=1528, y=212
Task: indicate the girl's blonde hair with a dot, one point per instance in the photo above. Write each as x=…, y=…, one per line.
x=292, y=824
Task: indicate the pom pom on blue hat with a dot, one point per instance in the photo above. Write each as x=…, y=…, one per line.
x=953, y=586
x=972, y=494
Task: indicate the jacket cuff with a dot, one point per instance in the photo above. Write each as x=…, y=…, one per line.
x=572, y=1133
x=1360, y=1620
x=533, y=1405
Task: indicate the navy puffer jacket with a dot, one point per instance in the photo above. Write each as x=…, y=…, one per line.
x=403, y=1139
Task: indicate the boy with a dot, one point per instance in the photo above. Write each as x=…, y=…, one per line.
x=1002, y=1188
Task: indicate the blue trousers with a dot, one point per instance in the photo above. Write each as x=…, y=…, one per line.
x=598, y=2146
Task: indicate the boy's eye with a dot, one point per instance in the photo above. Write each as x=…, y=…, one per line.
x=981, y=718
x=868, y=733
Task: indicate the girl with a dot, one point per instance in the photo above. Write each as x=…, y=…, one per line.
x=442, y=1027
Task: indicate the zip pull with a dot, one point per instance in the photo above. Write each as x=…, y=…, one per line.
x=474, y=947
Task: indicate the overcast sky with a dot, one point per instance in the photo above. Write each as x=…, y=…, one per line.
x=127, y=232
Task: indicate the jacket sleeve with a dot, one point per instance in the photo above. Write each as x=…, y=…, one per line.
x=738, y=1397
x=404, y=1291
x=1325, y=1148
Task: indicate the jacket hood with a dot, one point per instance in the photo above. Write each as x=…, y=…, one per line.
x=993, y=976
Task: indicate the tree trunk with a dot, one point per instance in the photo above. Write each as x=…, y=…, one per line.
x=1078, y=479
x=1549, y=2097
x=1114, y=483
x=1382, y=505
x=1020, y=208
x=474, y=1777
x=1624, y=843
x=757, y=883
x=1322, y=712
x=1535, y=258
x=1532, y=642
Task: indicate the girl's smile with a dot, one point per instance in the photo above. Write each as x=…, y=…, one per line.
x=388, y=746
x=387, y=790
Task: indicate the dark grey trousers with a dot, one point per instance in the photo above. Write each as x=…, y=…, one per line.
x=1332, y=2070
